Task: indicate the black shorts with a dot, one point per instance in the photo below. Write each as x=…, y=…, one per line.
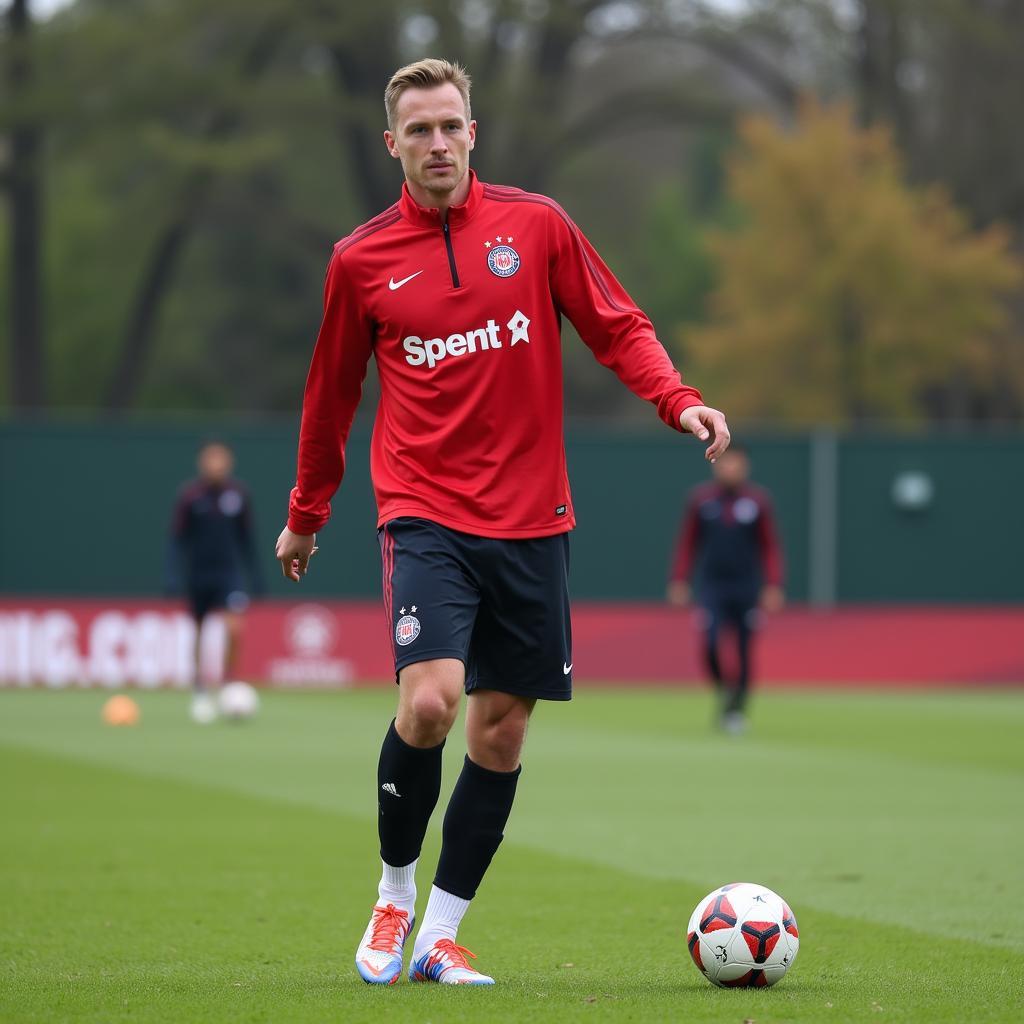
x=501, y=607
x=204, y=598
x=730, y=604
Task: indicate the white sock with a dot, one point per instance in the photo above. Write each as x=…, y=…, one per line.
x=398, y=886
x=441, y=919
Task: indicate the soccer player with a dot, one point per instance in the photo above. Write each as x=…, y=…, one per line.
x=729, y=544
x=212, y=549
x=457, y=290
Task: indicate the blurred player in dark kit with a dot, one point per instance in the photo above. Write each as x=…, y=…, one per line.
x=212, y=552
x=728, y=545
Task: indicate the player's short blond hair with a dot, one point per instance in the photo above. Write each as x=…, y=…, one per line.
x=426, y=74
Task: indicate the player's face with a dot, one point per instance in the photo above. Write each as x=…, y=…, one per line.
x=432, y=138
x=732, y=469
x=215, y=463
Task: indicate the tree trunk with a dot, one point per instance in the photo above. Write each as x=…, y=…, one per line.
x=164, y=257
x=24, y=191
x=882, y=53
x=137, y=343
x=361, y=75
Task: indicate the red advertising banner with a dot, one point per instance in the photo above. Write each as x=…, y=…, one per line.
x=69, y=642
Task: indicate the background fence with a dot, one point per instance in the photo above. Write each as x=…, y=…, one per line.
x=877, y=518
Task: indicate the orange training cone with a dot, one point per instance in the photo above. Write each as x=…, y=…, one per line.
x=121, y=710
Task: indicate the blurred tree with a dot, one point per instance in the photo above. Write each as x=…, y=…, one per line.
x=164, y=154
x=22, y=178
x=194, y=192
x=198, y=159
x=216, y=123
x=845, y=295
x=941, y=74
x=676, y=265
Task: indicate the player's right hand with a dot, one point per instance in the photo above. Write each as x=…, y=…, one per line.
x=678, y=593
x=294, y=550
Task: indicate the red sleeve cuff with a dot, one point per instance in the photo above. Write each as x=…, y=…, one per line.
x=687, y=398
x=305, y=526
x=305, y=523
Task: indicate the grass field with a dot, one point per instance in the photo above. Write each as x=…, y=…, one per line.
x=176, y=873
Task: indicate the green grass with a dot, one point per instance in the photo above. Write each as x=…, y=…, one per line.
x=180, y=874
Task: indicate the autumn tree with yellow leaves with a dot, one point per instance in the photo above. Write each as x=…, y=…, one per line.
x=844, y=295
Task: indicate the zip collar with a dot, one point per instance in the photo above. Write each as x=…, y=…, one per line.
x=431, y=216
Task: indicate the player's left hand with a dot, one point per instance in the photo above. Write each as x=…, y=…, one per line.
x=705, y=424
x=772, y=598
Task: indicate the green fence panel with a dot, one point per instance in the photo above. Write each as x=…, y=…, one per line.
x=86, y=508
x=966, y=544
x=630, y=490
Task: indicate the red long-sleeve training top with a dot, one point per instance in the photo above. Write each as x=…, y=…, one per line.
x=464, y=320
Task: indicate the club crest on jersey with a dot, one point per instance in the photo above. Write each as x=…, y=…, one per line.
x=745, y=510
x=503, y=260
x=407, y=629
x=230, y=503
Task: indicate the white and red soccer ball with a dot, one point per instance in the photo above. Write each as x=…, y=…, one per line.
x=743, y=936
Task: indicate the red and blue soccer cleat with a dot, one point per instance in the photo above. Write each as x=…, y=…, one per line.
x=445, y=963
x=379, y=956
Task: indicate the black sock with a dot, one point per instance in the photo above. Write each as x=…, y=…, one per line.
x=474, y=826
x=408, y=785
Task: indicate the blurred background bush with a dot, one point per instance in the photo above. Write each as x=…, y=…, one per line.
x=820, y=202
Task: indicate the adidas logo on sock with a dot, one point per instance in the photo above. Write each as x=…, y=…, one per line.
x=390, y=787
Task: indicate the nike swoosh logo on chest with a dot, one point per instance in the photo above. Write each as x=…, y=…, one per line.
x=395, y=285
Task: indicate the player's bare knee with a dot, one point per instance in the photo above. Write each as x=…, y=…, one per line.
x=426, y=719
x=498, y=743
x=508, y=748
x=428, y=706
x=435, y=708
x=498, y=755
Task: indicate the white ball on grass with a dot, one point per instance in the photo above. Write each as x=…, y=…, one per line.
x=238, y=701
x=743, y=936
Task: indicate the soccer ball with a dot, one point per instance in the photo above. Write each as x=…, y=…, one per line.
x=238, y=701
x=743, y=936
x=203, y=709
